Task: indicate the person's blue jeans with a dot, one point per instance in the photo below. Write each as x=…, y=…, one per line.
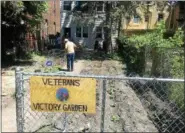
x=70, y=61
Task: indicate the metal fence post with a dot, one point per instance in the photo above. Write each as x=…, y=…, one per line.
x=19, y=99
x=103, y=105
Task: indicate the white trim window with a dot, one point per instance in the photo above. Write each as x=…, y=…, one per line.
x=98, y=32
x=81, y=6
x=67, y=5
x=85, y=32
x=100, y=7
x=136, y=19
x=78, y=31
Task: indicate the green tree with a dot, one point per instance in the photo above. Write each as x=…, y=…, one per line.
x=17, y=16
x=156, y=40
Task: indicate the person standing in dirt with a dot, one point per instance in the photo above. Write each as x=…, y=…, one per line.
x=70, y=49
x=58, y=41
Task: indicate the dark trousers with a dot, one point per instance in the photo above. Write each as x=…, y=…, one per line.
x=70, y=61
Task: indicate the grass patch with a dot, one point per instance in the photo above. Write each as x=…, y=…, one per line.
x=176, y=94
x=115, y=118
x=52, y=69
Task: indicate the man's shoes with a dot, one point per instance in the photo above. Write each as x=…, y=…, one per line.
x=70, y=70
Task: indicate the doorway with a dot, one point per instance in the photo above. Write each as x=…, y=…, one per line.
x=67, y=33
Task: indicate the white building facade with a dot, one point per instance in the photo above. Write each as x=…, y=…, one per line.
x=81, y=30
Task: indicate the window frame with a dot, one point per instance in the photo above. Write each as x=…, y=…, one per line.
x=86, y=34
x=181, y=8
x=136, y=18
x=78, y=5
x=99, y=32
x=147, y=18
x=102, y=4
x=68, y=5
x=78, y=32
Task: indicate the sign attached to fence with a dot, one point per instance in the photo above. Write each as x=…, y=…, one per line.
x=63, y=94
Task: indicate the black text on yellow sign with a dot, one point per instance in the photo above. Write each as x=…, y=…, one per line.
x=63, y=94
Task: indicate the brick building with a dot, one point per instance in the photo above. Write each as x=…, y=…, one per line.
x=47, y=30
x=52, y=17
x=172, y=15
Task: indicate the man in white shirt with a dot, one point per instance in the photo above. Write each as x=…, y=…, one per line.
x=70, y=49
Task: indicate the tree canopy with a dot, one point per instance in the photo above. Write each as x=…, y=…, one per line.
x=17, y=18
x=156, y=38
x=15, y=13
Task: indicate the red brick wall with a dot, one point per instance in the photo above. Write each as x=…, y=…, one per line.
x=53, y=15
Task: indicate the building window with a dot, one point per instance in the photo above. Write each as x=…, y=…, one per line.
x=99, y=7
x=67, y=5
x=160, y=16
x=181, y=8
x=78, y=5
x=146, y=18
x=78, y=32
x=85, y=32
x=81, y=6
x=136, y=19
x=99, y=32
x=105, y=29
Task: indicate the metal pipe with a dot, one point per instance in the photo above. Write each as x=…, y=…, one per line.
x=103, y=106
x=119, y=77
x=19, y=100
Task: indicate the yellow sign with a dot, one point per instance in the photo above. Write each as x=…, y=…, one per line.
x=63, y=94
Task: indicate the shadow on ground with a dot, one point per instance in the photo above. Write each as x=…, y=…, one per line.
x=21, y=63
x=65, y=70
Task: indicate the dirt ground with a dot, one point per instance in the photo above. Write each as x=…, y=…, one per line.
x=124, y=111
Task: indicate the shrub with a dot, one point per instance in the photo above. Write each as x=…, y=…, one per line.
x=167, y=57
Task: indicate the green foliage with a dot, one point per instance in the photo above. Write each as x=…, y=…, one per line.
x=29, y=11
x=177, y=94
x=177, y=66
x=132, y=56
x=115, y=118
x=52, y=69
x=134, y=48
x=156, y=39
x=35, y=9
x=169, y=48
x=113, y=56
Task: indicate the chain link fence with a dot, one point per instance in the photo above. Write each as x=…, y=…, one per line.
x=147, y=61
x=130, y=104
x=164, y=62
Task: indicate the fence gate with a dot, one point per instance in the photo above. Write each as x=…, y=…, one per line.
x=49, y=102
